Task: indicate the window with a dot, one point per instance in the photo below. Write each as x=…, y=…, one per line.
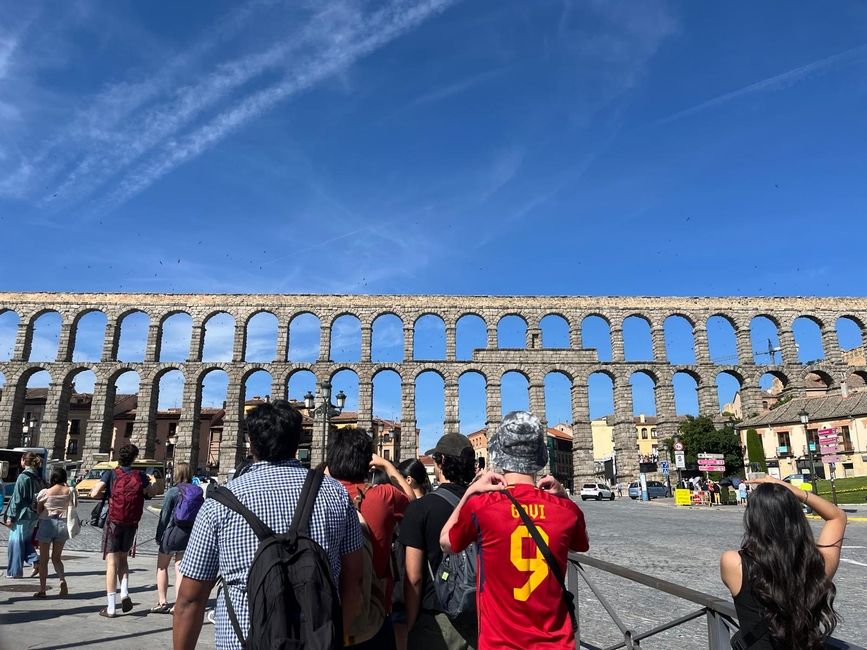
x=128, y=431
x=845, y=439
x=386, y=453
x=784, y=445
x=173, y=428
x=653, y=432
x=72, y=448
x=74, y=427
x=643, y=433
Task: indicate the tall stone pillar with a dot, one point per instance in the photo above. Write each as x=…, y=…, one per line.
x=745, y=346
x=575, y=341
x=54, y=427
x=325, y=342
x=657, y=342
x=666, y=419
x=408, y=343
x=452, y=422
x=537, y=402
x=492, y=337
x=197, y=342
x=408, y=443
x=282, y=353
x=534, y=338
x=279, y=385
x=98, y=435
x=625, y=441
x=451, y=342
x=831, y=345
x=789, y=349
x=751, y=401
x=708, y=401
x=111, y=341
x=493, y=405
x=144, y=429
x=617, y=353
x=66, y=343
x=232, y=444
x=7, y=400
x=699, y=337
x=187, y=434
x=365, y=403
x=23, y=341
x=582, y=435
x=154, y=343
x=366, y=341
x=239, y=343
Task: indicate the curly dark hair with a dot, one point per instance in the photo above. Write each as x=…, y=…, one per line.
x=127, y=454
x=457, y=469
x=786, y=570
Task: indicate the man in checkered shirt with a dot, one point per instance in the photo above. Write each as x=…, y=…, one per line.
x=223, y=544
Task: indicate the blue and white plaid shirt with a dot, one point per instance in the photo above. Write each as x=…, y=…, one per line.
x=223, y=544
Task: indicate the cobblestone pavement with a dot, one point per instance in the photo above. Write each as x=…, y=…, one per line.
x=678, y=545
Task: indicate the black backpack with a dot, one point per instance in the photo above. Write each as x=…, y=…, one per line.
x=293, y=601
x=454, y=580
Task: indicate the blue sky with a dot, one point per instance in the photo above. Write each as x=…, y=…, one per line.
x=449, y=147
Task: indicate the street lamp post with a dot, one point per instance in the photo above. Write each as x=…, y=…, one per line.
x=326, y=409
x=805, y=420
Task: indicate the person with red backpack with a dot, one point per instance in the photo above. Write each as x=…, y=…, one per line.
x=181, y=504
x=127, y=490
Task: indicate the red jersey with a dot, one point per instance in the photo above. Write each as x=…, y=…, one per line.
x=520, y=603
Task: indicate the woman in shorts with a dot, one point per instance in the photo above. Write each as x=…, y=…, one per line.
x=52, y=504
x=172, y=538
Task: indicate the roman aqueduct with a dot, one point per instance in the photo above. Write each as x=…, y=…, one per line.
x=534, y=360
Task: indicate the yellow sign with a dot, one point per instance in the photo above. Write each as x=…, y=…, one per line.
x=682, y=497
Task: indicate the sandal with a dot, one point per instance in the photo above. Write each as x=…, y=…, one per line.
x=162, y=608
x=40, y=594
x=104, y=612
x=64, y=590
x=126, y=604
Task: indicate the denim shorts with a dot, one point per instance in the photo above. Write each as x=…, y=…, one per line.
x=52, y=529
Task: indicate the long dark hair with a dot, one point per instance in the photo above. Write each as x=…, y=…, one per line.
x=786, y=570
x=413, y=467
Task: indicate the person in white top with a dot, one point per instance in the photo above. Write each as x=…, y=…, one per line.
x=52, y=504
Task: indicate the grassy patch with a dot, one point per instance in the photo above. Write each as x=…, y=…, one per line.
x=849, y=490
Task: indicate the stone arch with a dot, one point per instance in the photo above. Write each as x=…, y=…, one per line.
x=260, y=338
x=430, y=410
x=511, y=331
x=305, y=334
x=472, y=401
x=850, y=333
x=346, y=378
x=345, y=338
x=856, y=382
x=256, y=387
x=807, y=331
x=87, y=334
x=817, y=380
x=600, y=386
x=471, y=332
x=555, y=331
x=218, y=336
x=773, y=384
x=558, y=398
x=637, y=342
x=299, y=382
x=429, y=337
x=9, y=320
x=729, y=384
x=386, y=394
x=41, y=378
x=643, y=384
x=387, y=338
x=722, y=340
x=213, y=386
x=514, y=391
x=765, y=338
x=596, y=334
x=680, y=339
x=686, y=386
x=176, y=332
x=45, y=342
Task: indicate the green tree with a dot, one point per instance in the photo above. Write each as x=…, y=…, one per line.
x=756, y=451
x=700, y=435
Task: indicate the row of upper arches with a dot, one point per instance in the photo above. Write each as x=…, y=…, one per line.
x=260, y=338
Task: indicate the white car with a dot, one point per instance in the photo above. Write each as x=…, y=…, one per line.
x=596, y=491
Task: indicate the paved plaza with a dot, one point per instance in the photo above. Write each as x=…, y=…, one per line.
x=681, y=546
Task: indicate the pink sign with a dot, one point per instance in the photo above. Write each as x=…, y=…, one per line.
x=832, y=459
x=827, y=435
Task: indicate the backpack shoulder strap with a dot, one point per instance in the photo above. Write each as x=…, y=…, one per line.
x=225, y=497
x=448, y=495
x=306, y=501
x=549, y=557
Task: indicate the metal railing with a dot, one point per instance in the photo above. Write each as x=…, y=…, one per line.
x=719, y=614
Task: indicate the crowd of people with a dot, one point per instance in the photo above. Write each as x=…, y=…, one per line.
x=359, y=553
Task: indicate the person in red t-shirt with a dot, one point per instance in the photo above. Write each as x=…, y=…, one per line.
x=350, y=459
x=520, y=602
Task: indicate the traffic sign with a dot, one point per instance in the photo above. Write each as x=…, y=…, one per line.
x=714, y=456
x=680, y=460
x=678, y=446
x=832, y=459
x=663, y=465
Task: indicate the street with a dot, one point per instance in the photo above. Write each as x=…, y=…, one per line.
x=678, y=545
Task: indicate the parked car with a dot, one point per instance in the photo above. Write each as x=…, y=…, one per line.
x=655, y=489
x=596, y=491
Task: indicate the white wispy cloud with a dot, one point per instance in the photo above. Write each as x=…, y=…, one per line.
x=774, y=83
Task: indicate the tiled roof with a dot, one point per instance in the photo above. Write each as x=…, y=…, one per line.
x=820, y=408
x=562, y=435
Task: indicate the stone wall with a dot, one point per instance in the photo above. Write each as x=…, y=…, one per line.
x=534, y=361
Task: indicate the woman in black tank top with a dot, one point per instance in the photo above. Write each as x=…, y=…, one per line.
x=791, y=608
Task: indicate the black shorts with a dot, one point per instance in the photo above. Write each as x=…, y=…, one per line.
x=119, y=538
